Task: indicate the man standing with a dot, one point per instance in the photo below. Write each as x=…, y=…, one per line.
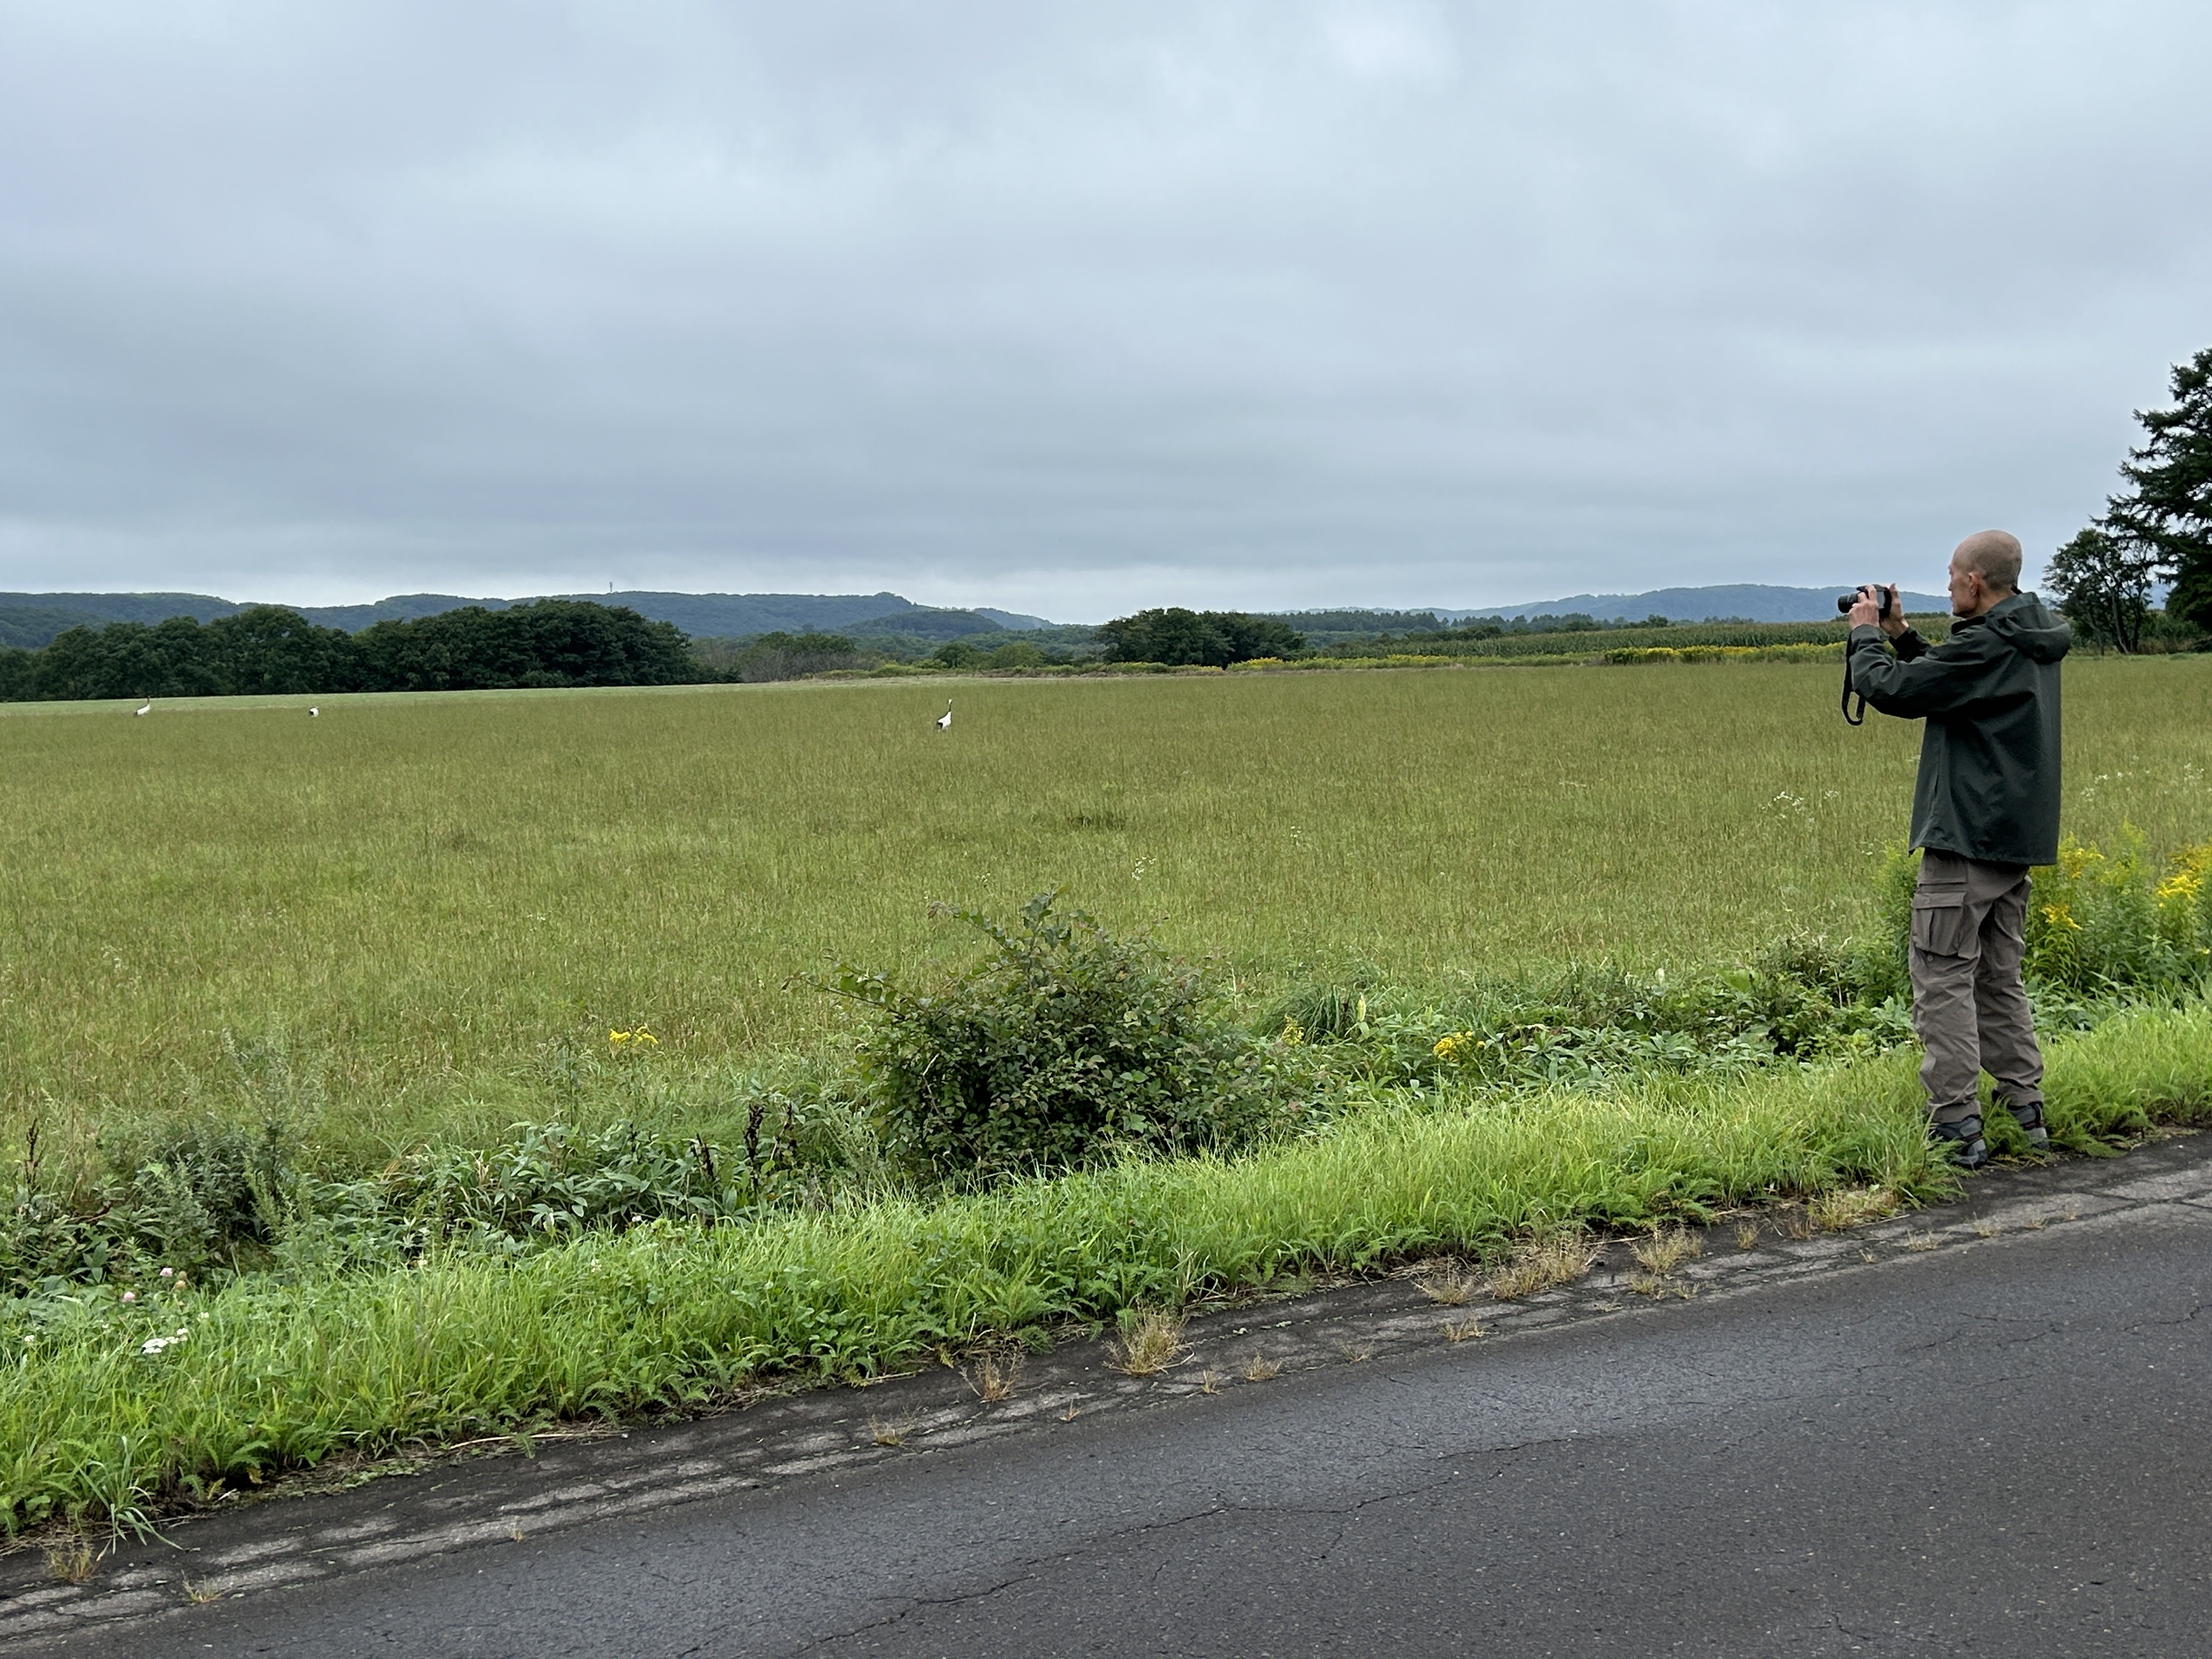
x=1984, y=808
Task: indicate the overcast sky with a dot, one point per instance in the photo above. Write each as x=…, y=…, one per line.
x=1074, y=309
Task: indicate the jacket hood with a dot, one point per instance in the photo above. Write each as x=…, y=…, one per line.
x=2030, y=626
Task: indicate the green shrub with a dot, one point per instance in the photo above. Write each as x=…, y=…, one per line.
x=1060, y=1045
x=216, y=1200
x=208, y=1190
x=196, y=1195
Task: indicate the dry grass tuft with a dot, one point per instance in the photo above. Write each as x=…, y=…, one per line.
x=73, y=1562
x=994, y=1377
x=1665, y=1251
x=1448, y=1285
x=199, y=1595
x=1656, y=1287
x=1153, y=1343
x=1261, y=1369
x=1210, y=1381
x=1542, y=1263
x=1851, y=1207
x=1747, y=1235
x=1921, y=1241
x=1461, y=1330
x=892, y=1431
x=1357, y=1352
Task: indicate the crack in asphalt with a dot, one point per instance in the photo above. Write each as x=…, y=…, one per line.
x=2183, y=1319
x=1013, y=1572
x=1016, y=1569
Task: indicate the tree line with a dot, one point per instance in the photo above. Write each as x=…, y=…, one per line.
x=1183, y=638
x=267, y=648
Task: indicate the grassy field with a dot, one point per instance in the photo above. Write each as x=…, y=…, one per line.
x=419, y=919
x=425, y=901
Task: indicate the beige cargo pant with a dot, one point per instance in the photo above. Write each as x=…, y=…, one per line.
x=1969, y=923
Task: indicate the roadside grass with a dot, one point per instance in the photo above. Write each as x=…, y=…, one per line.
x=1447, y=1284
x=1549, y=1259
x=1152, y=1341
x=1846, y=1207
x=418, y=919
x=1667, y=1249
x=994, y=1378
x=667, y=1317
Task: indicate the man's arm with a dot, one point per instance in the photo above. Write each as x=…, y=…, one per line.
x=1935, y=680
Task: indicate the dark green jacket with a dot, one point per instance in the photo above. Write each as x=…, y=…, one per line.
x=1989, y=760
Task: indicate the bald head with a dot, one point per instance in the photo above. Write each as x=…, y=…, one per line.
x=1992, y=554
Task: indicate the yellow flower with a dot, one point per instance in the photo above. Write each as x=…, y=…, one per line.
x=1293, y=1032
x=1449, y=1046
x=2059, y=916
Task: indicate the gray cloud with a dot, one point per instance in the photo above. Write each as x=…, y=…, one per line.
x=1070, y=310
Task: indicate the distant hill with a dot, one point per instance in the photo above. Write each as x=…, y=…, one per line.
x=30, y=626
x=31, y=620
x=401, y=607
x=722, y=615
x=925, y=623
x=1747, y=601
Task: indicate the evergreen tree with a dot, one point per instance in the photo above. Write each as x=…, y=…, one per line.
x=2168, y=514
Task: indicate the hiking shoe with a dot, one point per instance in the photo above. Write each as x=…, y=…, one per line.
x=1962, y=1141
x=2030, y=1119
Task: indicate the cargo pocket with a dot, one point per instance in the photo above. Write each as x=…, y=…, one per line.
x=1939, y=921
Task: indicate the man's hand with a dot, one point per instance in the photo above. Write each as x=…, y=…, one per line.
x=1869, y=613
x=1893, y=623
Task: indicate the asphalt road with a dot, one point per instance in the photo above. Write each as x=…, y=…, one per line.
x=2000, y=1448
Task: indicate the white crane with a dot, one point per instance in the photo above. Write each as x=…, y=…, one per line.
x=147, y=709
x=312, y=711
x=944, y=720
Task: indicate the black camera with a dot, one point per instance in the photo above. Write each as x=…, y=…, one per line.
x=1886, y=596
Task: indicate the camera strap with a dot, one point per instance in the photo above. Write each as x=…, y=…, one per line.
x=1891, y=603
